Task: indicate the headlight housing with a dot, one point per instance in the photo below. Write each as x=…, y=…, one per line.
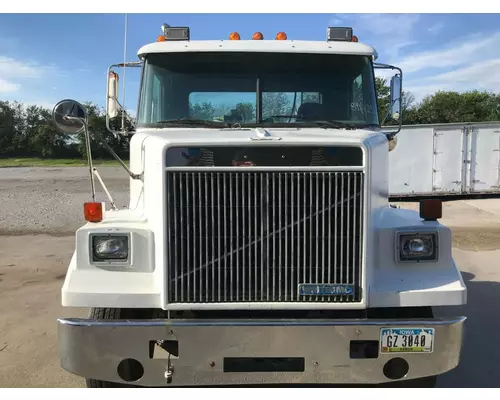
x=417, y=247
x=108, y=248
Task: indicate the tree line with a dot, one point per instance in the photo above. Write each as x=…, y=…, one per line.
x=30, y=132
x=443, y=107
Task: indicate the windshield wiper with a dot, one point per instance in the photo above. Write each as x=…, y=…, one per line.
x=328, y=124
x=192, y=121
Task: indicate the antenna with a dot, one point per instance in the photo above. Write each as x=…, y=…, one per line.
x=124, y=69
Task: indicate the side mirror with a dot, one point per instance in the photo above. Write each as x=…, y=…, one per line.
x=396, y=97
x=69, y=116
x=113, y=106
x=114, y=110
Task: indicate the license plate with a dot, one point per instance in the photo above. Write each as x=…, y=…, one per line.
x=406, y=340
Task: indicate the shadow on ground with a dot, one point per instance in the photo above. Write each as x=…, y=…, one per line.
x=480, y=363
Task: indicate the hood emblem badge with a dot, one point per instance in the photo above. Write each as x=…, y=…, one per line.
x=263, y=134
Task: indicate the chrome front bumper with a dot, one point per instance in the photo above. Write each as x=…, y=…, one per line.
x=309, y=351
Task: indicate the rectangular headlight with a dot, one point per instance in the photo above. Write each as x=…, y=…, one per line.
x=418, y=246
x=110, y=247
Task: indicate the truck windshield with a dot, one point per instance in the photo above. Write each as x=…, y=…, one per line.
x=257, y=89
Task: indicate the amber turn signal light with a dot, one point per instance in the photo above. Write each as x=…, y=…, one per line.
x=431, y=209
x=92, y=212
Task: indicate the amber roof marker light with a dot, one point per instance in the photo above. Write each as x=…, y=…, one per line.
x=234, y=36
x=281, y=36
x=258, y=36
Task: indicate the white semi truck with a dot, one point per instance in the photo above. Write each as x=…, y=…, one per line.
x=259, y=246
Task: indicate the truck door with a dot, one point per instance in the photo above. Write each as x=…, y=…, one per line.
x=450, y=151
x=484, y=159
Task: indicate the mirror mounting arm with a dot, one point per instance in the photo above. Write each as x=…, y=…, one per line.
x=89, y=160
x=117, y=158
x=107, y=146
x=88, y=149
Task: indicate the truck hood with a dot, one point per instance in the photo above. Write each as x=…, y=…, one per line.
x=247, y=136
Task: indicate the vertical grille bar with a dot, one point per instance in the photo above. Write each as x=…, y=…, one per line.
x=244, y=223
x=218, y=236
x=292, y=236
x=324, y=237
x=352, y=281
x=268, y=230
x=304, y=224
x=256, y=236
x=280, y=241
x=317, y=238
x=249, y=250
x=274, y=236
x=286, y=237
x=174, y=253
x=236, y=239
x=189, y=246
x=310, y=233
x=212, y=181
x=262, y=215
x=330, y=263
x=181, y=212
x=231, y=244
x=335, y=267
x=207, y=236
x=357, y=271
x=224, y=197
x=341, y=230
x=299, y=231
x=348, y=244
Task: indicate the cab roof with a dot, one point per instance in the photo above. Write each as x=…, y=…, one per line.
x=260, y=46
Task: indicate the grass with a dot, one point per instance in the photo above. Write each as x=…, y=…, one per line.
x=53, y=162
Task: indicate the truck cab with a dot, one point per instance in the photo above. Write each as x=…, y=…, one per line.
x=259, y=246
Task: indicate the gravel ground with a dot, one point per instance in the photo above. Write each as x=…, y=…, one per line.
x=50, y=200
x=42, y=208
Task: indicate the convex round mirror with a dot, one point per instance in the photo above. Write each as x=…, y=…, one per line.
x=69, y=116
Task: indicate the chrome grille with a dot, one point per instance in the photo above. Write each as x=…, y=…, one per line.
x=254, y=236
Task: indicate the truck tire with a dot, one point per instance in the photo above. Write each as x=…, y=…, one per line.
x=106, y=314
